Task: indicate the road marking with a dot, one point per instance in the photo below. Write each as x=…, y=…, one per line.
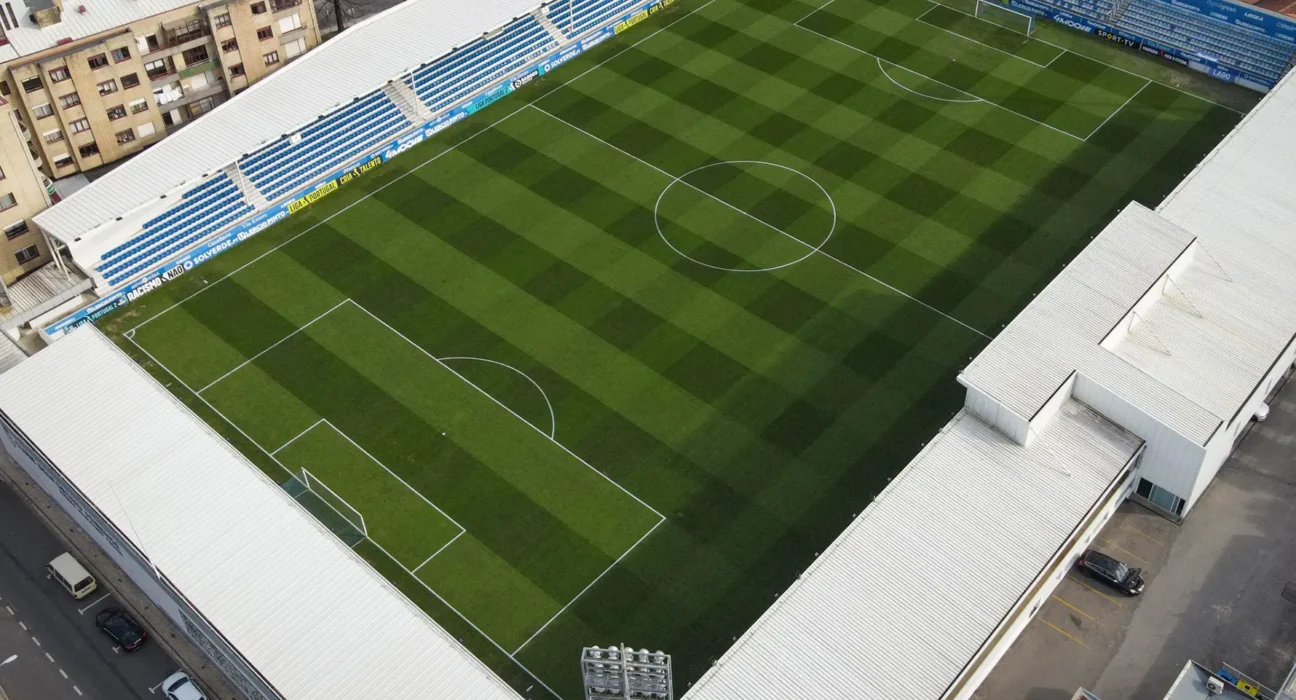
x=23, y=625
x=97, y=601
x=51, y=658
x=154, y=688
x=63, y=673
x=34, y=639
x=116, y=649
x=1116, y=546
x=1110, y=599
x=1065, y=634
x=1150, y=537
x=78, y=690
x=9, y=609
x=1091, y=617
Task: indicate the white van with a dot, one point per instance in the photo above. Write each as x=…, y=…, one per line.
x=71, y=575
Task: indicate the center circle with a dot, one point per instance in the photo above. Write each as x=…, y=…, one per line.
x=792, y=249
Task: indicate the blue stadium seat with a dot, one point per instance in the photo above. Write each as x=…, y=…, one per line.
x=444, y=82
x=575, y=17
x=1207, y=37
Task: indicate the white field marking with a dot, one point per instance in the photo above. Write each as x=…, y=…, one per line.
x=1118, y=109
x=965, y=92
x=553, y=420
x=97, y=601
x=405, y=483
x=130, y=334
x=359, y=559
x=276, y=344
x=982, y=43
x=588, y=586
x=826, y=254
x=895, y=82
x=442, y=547
x=51, y=658
x=561, y=446
x=681, y=179
x=294, y=438
x=1065, y=50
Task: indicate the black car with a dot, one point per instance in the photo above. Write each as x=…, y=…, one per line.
x=123, y=629
x=1112, y=572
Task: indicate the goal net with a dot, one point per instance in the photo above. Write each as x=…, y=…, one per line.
x=334, y=501
x=1006, y=17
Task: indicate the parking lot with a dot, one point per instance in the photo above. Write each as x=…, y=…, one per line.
x=61, y=654
x=1214, y=588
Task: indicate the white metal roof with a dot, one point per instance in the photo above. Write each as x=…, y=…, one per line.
x=274, y=581
x=98, y=16
x=891, y=604
x=361, y=59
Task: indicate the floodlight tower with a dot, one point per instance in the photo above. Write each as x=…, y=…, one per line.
x=621, y=673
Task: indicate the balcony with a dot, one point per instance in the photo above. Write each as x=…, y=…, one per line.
x=169, y=39
x=281, y=5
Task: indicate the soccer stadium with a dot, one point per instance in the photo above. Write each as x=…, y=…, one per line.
x=729, y=330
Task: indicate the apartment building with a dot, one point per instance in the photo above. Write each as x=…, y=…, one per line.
x=92, y=81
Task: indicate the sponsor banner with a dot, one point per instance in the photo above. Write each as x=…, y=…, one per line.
x=231, y=237
x=1203, y=63
x=1271, y=24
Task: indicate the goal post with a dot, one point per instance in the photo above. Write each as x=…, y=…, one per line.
x=334, y=501
x=1000, y=14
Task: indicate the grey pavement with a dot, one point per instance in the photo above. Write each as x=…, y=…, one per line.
x=1214, y=592
x=61, y=654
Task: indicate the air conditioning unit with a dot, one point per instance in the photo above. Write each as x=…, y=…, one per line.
x=1214, y=686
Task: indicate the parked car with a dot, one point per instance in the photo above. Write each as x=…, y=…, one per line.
x=121, y=627
x=179, y=686
x=71, y=576
x=1112, y=572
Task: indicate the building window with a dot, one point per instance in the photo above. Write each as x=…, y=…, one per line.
x=265, y=33
x=228, y=46
x=88, y=150
x=32, y=84
x=119, y=55
x=150, y=43
x=7, y=201
x=258, y=8
x=195, y=56
x=53, y=136
x=139, y=106
x=59, y=74
x=27, y=254
x=2, y=175
x=295, y=48
x=79, y=125
x=156, y=69
x=115, y=113
x=201, y=107
x=125, y=136
x=289, y=23
x=107, y=87
x=237, y=69
x=221, y=20
x=4, y=87
x=70, y=100
x=1159, y=497
x=15, y=230
x=145, y=129
x=42, y=111
x=271, y=58
x=130, y=81
x=97, y=62
x=62, y=160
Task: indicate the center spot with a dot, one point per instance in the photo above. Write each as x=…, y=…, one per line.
x=745, y=216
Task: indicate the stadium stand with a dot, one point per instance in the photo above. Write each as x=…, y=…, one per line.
x=574, y=17
x=441, y=84
x=1212, y=38
x=1101, y=10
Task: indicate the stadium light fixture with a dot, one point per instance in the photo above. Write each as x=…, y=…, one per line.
x=622, y=673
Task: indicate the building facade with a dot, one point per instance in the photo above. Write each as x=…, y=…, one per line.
x=81, y=103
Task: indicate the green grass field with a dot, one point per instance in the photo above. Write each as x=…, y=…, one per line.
x=616, y=359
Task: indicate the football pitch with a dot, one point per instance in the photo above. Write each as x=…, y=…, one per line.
x=615, y=360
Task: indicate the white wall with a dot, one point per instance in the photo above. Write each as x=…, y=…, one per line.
x=1039, y=423
x=995, y=414
x=1150, y=297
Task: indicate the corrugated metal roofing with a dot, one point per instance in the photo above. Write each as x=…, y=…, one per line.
x=10, y=353
x=273, y=580
x=359, y=60
x=99, y=16
x=39, y=287
x=890, y=604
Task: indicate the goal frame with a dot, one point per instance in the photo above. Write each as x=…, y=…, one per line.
x=1030, y=18
x=308, y=478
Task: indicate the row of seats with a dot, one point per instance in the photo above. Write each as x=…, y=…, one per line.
x=177, y=242
x=1100, y=10
x=1224, y=42
x=575, y=17
x=443, y=82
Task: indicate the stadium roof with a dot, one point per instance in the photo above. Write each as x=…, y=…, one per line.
x=263, y=571
x=355, y=62
x=99, y=16
x=891, y=604
x=1193, y=356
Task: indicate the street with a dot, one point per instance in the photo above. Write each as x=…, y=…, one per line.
x=61, y=654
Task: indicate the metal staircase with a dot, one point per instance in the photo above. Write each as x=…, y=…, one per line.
x=408, y=102
x=554, y=31
x=245, y=186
